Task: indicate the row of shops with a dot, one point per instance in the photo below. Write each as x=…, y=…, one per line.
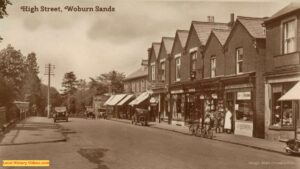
x=123, y=106
x=192, y=101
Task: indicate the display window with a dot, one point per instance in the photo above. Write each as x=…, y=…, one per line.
x=282, y=111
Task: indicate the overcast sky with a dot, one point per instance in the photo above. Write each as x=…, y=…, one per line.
x=92, y=43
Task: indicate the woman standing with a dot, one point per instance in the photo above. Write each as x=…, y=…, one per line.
x=228, y=116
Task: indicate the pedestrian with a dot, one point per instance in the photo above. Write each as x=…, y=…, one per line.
x=228, y=121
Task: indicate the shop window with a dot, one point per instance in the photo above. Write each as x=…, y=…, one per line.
x=177, y=68
x=282, y=111
x=239, y=60
x=163, y=71
x=244, y=106
x=213, y=64
x=289, y=36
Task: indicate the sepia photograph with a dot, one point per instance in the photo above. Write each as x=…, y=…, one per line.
x=149, y=84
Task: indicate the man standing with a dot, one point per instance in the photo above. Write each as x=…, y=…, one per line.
x=228, y=116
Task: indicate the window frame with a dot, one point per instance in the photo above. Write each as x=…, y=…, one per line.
x=283, y=34
x=213, y=69
x=177, y=67
x=238, y=60
x=163, y=70
x=153, y=72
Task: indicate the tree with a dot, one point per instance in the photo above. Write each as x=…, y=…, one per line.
x=13, y=68
x=69, y=83
x=114, y=80
x=3, y=4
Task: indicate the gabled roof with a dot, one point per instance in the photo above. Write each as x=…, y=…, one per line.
x=154, y=48
x=182, y=36
x=203, y=29
x=253, y=26
x=284, y=11
x=221, y=35
x=168, y=43
x=141, y=72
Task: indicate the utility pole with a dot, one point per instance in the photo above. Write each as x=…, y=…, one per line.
x=49, y=72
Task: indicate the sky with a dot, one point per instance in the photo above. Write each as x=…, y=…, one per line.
x=92, y=43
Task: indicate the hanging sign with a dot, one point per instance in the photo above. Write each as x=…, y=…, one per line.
x=214, y=96
x=243, y=95
x=177, y=91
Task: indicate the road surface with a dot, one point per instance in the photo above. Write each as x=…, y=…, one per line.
x=105, y=144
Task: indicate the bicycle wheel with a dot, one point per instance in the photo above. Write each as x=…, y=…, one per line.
x=198, y=132
x=191, y=130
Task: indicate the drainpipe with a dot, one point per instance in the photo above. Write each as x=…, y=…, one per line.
x=169, y=89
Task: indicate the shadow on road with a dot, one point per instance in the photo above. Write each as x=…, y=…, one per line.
x=94, y=155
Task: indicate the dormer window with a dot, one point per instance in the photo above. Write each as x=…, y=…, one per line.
x=289, y=36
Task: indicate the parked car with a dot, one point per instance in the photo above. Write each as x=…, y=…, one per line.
x=60, y=113
x=140, y=116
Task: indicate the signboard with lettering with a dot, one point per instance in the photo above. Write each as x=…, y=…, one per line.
x=244, y=128
x=243, y=95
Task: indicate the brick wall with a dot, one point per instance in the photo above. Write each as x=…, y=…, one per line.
x=253, y=60
x=214, y=48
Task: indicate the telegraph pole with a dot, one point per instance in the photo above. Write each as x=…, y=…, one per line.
x=49, y=72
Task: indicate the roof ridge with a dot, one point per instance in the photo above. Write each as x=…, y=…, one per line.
x=249, y=17
x=221, y=30
x=181, y=30
x=165, y=37
x=156, y=43
x=210, y=23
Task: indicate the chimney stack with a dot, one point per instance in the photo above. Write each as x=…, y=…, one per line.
x=210, y=18
x=231, y=22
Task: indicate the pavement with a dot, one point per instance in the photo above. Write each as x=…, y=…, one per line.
x=257, y=143
x=33, y=130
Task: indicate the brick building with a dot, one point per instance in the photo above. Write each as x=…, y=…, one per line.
x=282, y=71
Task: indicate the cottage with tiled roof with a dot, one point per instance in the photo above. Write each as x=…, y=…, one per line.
x=137, y=81
x=197, y=38
x=243, y=79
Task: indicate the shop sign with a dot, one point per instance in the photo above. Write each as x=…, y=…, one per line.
x=243, y=128
x=214, y=96
x=177, y=91
x=153, y=100
x=192, y=90
x=244, y=96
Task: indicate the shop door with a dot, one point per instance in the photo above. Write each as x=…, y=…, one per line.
x=230, y=103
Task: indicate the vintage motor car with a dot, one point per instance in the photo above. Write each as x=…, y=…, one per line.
x=60, y=113
x=140, y=116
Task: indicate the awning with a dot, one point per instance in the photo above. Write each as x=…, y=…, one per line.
x=292, y=94
x=108, y=100
x=128, y=97
x=116, y=99
x=139, y=99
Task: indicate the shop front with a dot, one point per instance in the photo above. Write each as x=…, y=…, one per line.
x=240, y=101
x=177, y=107
x=282, y=116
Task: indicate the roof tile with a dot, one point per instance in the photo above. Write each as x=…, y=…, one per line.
x=254, y=26
x=203, y=29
